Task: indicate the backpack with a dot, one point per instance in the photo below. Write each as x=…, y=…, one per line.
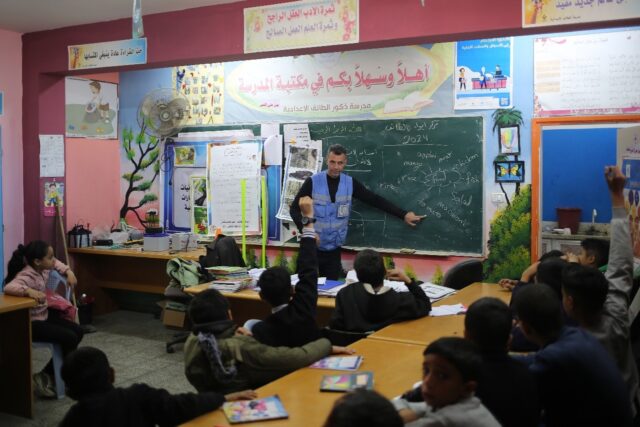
x=184, y=273
x=222, y=251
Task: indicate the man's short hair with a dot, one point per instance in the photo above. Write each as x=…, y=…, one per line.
x=461, y=353
x=488, y=324
x=538, y=305
x=587, y=286
x=369, y=267
x=363, y=408
x=86, y=371
x=550, y=273
x=337, y=149
x=208, y=306
x=554, y=253
x=275, y=285
x=598, y=249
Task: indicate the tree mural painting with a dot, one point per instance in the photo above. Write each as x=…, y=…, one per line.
x=142, y=151
x=510, y=239
x=505, y=117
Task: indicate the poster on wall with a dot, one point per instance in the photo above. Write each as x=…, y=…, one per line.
x=483, y=76
x=108, y=54
x=53, y=195
x=628, y=160
x=302, y=162
x=91, y=108
x=51, y=155
x=384, y=83
x=540, y=13
x=587, y=74
x=298, y=24
x=199, y=213
x=203, y=85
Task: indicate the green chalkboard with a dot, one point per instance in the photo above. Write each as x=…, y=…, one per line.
x=429, y=166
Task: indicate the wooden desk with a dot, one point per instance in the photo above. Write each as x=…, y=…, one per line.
x=396, y=367
x=16, y=395
x=427, y=329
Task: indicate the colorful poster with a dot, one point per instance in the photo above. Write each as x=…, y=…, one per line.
x=203, y=85
x=300, y=24
x=540, y=13
x=108, y=54
x=53, y=195
x=631, y=170
x=587, y=74
x=184, y=156
x=387, y=83
x=91, y=108
x=199, y=216
x=483, y=74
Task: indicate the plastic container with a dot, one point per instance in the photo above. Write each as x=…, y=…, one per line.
x=569, y=218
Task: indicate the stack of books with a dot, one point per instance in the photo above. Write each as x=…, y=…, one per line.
x=230, y=279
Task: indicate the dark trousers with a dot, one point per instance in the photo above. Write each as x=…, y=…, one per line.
x=58, y=331
x=330, y=264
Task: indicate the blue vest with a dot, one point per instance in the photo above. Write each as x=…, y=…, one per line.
x=332, y=218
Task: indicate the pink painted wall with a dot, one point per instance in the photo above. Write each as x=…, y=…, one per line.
x=93, y=175
x=11, y=123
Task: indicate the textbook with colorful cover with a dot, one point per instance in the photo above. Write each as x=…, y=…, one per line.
x=340, y=363
x=347, y=382
x=244, y=411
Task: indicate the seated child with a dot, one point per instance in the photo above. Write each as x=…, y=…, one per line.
x=363, y=408
x=219, y=358
x=27, y=276
x=578, y=382
x=368, y=305
x=601, y=304
x=89, y=380
x=292, y=322
x=451, y=367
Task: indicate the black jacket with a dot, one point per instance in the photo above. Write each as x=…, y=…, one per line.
x=138, y=406
x=295, y=325
x=360, y=311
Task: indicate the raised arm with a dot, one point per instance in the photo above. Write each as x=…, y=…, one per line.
x=306, y=297
x=294, y=209
x=367, y=196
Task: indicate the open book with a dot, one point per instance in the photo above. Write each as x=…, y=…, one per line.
x=244, y=411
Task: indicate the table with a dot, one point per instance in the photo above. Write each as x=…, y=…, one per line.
x=427, y=329
x=16, y=395
x=396, y=367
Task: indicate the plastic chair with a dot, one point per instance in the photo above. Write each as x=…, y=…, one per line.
x=463, y=274
x=58, y=284
x=343, y=338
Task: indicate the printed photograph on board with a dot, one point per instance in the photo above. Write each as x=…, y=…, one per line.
x=91, y=108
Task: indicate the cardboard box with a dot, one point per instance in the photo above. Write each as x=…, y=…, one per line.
x=172, y=318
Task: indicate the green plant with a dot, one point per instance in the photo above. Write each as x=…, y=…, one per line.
x=389, y=264
x=251, y=261
x=292, y=265
x=510, y=239
x=437, y=276
x=506, y=117
x=142, y=152
x=410, y=272
x=280, y=260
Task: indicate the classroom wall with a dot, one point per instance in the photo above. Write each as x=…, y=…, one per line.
x=11, y=124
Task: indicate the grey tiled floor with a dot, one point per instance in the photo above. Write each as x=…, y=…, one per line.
x=135, y=345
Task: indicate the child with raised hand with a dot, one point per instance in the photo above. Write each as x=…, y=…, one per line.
x=451, y=367
x=363, y=408
x=27, y=276
x=89, y=380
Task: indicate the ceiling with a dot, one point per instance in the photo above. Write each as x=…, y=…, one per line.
x=26, y=16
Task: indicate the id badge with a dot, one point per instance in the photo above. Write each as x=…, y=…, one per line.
x=343, y=211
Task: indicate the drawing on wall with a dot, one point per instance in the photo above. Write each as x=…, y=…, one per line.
x=53, y=194
x=200, y=213
x=91, y=108
x=509, y=140
x=184, y=156
x=509, y=171
x=302, y=162
x=203, y=85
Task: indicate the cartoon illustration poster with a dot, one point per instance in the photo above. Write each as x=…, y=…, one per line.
x=53, y=194
x=200, y=214
x=203, y=85
x=91, y=108
x=185, y=156
x=540, y=13
x=483, y=75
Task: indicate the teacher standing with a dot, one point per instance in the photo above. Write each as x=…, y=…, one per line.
x=332, y=191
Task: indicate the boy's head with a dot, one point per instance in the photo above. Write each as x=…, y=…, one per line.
x=275, y=286
x=555, y=253
x=369, y=267
x=94, y=86
x=207, y=307
x=86, y=371
x=594, y=252
x=363, y=408
x=584, y=290
x=450, y=371
x=488, y=324
x=550, y=273
x=538, y=310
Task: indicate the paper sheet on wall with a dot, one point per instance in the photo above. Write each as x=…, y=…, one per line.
x=51, y=155
x=227, y=165
x=273, y=150
x=269, y=129
x=302, y=162
x=296, y=133
x=182, y=202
